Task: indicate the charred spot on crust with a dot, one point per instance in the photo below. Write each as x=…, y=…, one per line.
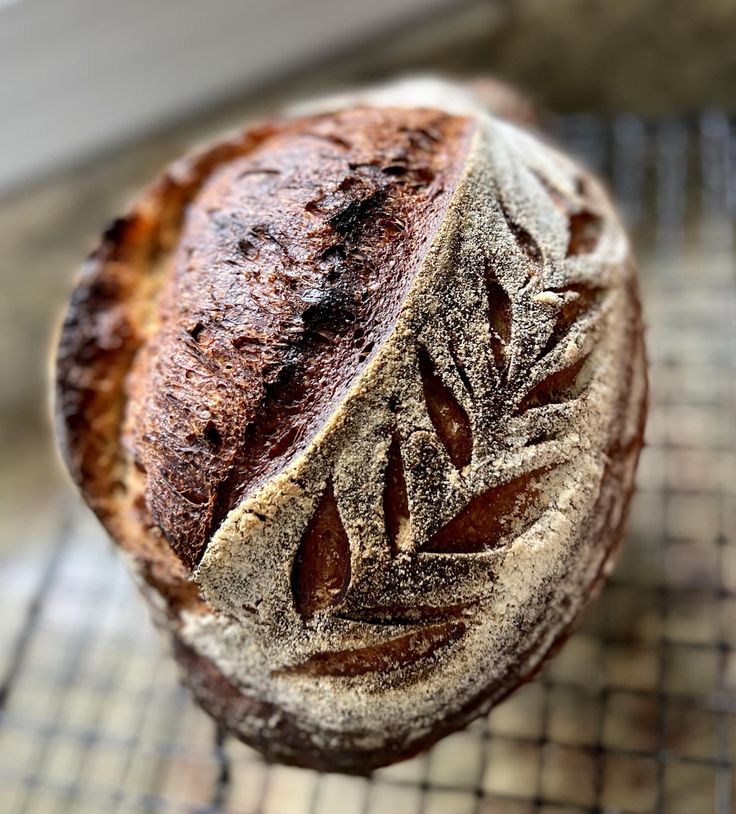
x=195, y=331
x=277, y=271
x=119, y=237
x=331, y=314
x=348, y=221
x=212, y=434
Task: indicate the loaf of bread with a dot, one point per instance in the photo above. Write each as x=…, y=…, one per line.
x=359, y=394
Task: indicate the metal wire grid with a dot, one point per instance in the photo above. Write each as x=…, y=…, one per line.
x=637, y=713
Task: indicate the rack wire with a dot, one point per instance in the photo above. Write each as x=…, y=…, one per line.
x=636, y=714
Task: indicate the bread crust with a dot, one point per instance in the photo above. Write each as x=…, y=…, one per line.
x=377, y=562
x=289, y=271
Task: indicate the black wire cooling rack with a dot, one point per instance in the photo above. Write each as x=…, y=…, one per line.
x=636, y=714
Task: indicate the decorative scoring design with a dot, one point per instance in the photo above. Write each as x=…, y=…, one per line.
x=489, y=517
x=461, y=478
x=396, y=501
x=500, y=321
x=524, y=381
x=390, y=655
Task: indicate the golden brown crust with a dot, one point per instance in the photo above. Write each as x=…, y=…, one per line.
x=384, y=543
x=102, y=331
x=99, y=333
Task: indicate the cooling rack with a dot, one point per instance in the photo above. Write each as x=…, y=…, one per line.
x=636, y=714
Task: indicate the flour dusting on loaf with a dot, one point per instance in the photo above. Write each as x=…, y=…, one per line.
x=441, y=474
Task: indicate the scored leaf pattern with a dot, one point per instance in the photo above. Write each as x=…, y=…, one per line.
x=585, y=226
x=525, y=242
x=579, y=300
x=500, y=318
x=396, y=501
x=389, y=655
x=558, y=386
x=585, y=232
x=321, y=569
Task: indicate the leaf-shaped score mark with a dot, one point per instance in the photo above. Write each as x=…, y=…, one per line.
x=560, y=386
x=585, y=226
x=445, y=412
x=490, y=517
x=525, y=242
x=395, y=501
x=500, y=321
x=321, y=571
x=390, y=655
x=585, y=232
x=580, y=299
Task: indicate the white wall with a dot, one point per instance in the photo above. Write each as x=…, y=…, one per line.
x=79, y=75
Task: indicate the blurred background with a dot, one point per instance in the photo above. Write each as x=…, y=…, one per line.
x=638, y=714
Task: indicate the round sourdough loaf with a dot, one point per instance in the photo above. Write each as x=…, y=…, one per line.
x=360, y=393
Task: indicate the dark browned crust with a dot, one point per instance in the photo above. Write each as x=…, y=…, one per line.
x=100, y=335
x=290, y=270
x=371, y=202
